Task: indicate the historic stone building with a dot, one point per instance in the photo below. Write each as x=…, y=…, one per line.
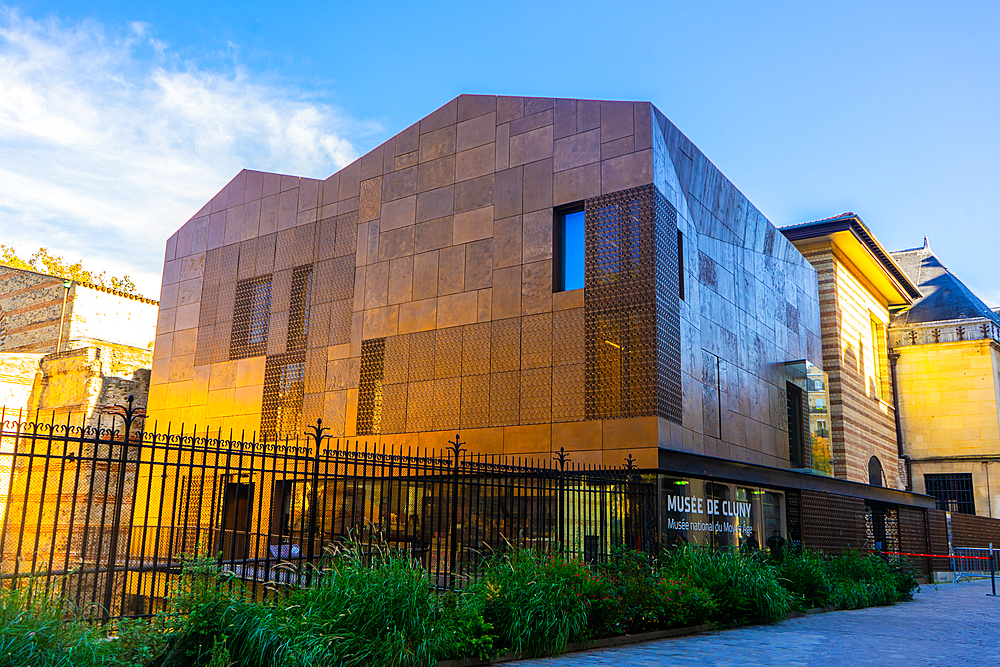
x=68, y=347
x=859, y=284
x=537, y=274
x=948, y=375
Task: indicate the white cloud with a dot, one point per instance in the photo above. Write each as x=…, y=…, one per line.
x=109, y=143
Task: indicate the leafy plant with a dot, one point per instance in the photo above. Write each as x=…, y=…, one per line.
x=536, y=601
x=744, y=587
x=808, y=575
x=208, y=606
x=38, y=627
x=380, y=613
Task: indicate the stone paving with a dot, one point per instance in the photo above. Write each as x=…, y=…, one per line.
x=955, y=624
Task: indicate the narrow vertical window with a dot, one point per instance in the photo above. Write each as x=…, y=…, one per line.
x=284, y=389
x=569, y=249
x=680, y=264
x=370, y=394
x=251, y=315
x=298, y=322
x=796, y=441
x=878, y=353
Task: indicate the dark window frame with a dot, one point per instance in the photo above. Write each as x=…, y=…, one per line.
x=796, y=426
x=680, y=264
x=954, y=492
x=559, y=244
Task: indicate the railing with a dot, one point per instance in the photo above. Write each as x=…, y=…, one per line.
x=109, y=517
x=968, y=562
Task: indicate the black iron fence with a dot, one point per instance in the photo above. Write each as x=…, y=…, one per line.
x=107, y=512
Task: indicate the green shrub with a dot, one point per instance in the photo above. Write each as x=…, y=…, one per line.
x=744, y=587
x=384, y=613
x=868, y=580
x=210, y=612
x=682, y=604
x=40, y=628
x=637, y=597
x=536, y=601
x=807, y=574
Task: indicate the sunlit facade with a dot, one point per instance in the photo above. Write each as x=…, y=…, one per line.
x=538, y=275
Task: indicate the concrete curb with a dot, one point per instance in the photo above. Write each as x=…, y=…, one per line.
x=620, y=640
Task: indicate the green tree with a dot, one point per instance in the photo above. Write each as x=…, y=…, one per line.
x=45, y=262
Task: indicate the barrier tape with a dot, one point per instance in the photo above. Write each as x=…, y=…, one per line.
x=900, y=553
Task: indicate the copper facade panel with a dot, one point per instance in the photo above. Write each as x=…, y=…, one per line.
x=623, y=283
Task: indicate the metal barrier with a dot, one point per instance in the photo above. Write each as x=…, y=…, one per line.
x=968, y=562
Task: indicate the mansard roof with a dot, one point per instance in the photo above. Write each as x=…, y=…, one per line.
x=945, y=297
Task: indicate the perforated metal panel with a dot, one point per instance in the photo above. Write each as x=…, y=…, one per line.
x=668, y=322
x=631, y=306
x=505, y=345
x=505, y=398
x=476, y=349
x=216, y=311
x=370, y=393
x=620, y=305
x=448, y=354
x=284, y=390
x=251, y=315
x=536, y=341
x=299, y=308
x=536, y=395
x=475, y=401
x=422, y=346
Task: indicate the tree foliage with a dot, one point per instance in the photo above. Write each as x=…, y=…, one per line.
x=45, y=262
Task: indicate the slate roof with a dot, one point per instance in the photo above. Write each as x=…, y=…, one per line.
x=945, y=296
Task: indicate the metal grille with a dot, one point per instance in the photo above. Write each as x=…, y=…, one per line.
x=370, y=394
x=284, y=388
x=882, y=528
x=953, y=492
x=620, y=305
x=298, y=315
x=669, y=291
x=251, y=314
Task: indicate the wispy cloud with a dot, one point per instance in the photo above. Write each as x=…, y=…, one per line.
x=109, y=141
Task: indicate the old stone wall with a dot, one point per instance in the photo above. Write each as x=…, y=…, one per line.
x=32, y=308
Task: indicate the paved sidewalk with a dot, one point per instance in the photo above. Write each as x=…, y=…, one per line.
x=957, y=624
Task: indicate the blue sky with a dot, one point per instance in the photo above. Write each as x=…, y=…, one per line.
x=118, y=120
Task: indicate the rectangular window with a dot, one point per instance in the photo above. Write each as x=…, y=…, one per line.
x=298, y=315
x=878, y=353
x=796, y=439
x=370, y=393
x=284, y=388
x=953, y=492
x=680, y=264
x=569, y=242
x=251, y=314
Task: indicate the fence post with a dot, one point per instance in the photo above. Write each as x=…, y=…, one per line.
x=317, y=436
x=629, y=501
x=456, y=449
x=993, y=579
x=129, y=414
x=562, y=457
